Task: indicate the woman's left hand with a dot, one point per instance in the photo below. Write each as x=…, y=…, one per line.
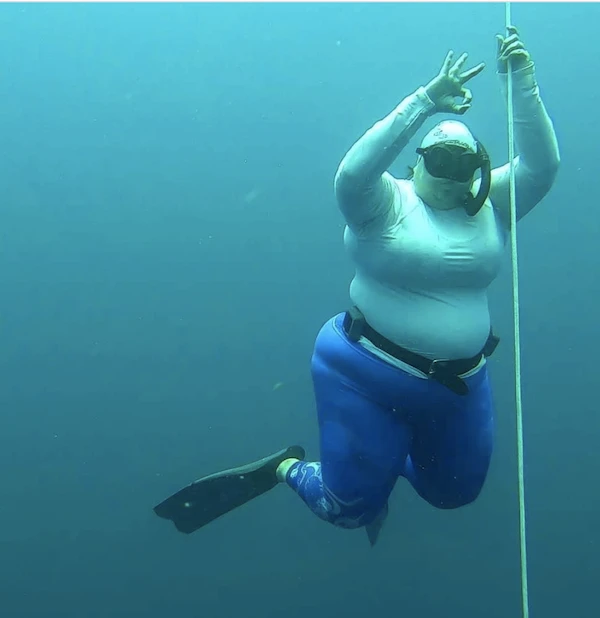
x=511, y=49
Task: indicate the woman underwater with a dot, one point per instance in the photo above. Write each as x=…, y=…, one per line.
x=400, y=380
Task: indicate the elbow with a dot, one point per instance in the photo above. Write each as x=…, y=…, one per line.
x=553, y=163
x=552, y=167
x=545, y=173
x=547, y=177
x=541, y=182
x=556, y=161
x=345, y=183
x=340, y=177
x=548, y=165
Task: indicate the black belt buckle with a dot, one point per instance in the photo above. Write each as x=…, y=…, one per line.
x=354, y=324
x=438, y=370
x=490, y=345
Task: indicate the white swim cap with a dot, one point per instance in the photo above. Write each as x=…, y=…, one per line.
x=451, y=131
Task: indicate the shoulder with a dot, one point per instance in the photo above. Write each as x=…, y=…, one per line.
x=405, y=185
x=493, y=204
x=406, y=196
x=496, y=221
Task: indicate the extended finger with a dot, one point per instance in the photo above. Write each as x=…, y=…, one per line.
x=447, y=63
x=471, y=73
x=458, y=65
x=500, y=43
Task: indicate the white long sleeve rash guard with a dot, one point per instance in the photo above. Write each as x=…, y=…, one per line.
x=422, y=274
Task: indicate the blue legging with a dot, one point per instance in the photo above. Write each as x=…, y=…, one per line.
x=377, y=423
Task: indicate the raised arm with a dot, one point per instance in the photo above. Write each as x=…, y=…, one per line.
x=365, y=191
x=538, y=158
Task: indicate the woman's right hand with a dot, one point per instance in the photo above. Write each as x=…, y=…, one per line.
x=448, y=86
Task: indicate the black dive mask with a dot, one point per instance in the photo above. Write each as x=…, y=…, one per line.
x=455, y=162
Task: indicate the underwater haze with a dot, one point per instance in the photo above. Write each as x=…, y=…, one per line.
x=170, y=246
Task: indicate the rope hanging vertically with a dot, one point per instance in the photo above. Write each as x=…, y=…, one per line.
x=517, y=335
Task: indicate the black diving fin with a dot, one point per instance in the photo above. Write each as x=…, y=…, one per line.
x=210, y=497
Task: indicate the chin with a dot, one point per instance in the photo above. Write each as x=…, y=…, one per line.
x=442, y=194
